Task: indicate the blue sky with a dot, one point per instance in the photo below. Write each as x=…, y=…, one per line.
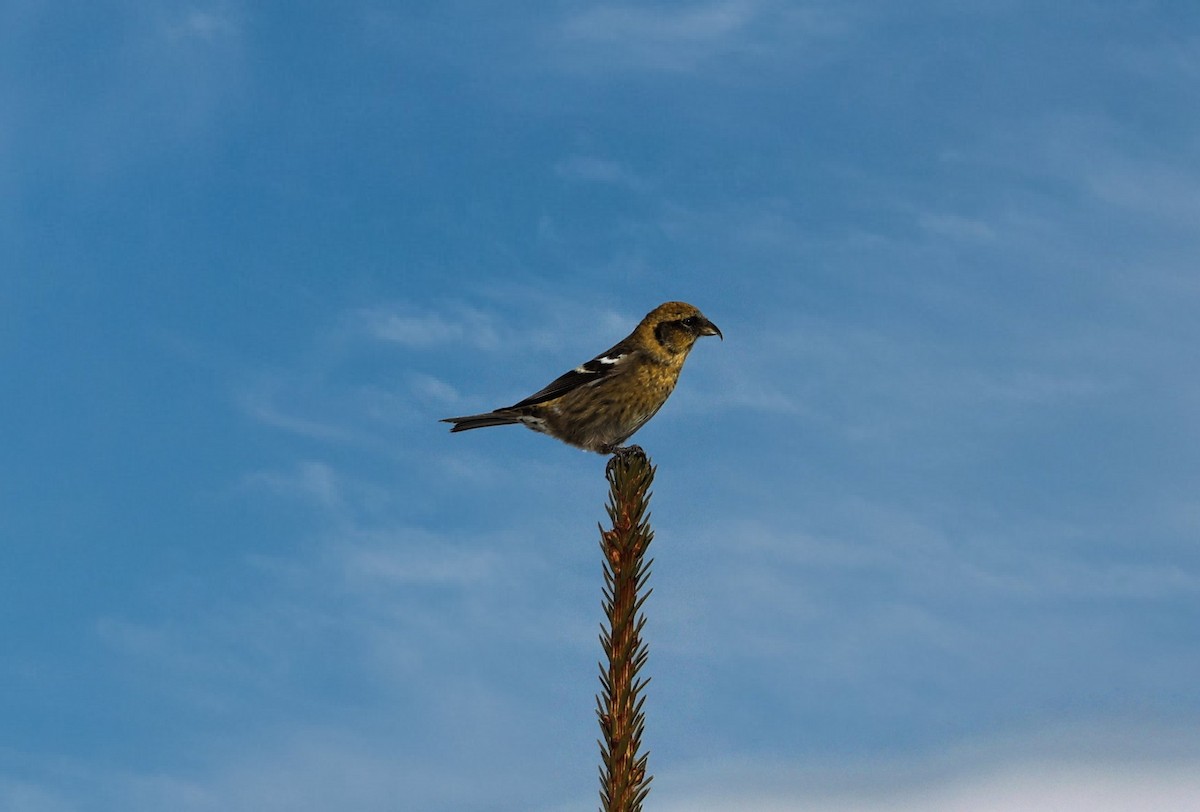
x=928, y=532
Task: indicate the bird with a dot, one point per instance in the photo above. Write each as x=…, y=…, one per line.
x=599, y=405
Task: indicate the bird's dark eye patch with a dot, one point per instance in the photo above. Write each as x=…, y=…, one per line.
x=662, y=332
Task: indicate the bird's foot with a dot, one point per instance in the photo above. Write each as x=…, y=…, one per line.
x=624, y=452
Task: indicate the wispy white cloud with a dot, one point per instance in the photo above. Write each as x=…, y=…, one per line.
x=434, y=388
x=531, y=321
x=207, y=25
x=664, y=38
x=1169, y=193
x=1170, y=60
x=1051, y=785
x=311, y=481
x=464, y=325
x=262, y=402
x=683, y=38
x=956, y=226
x=422, y=560
x=591, y=169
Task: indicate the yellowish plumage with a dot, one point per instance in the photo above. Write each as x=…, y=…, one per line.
x=600, y=404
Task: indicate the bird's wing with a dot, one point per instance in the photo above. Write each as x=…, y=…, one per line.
x=603, y=366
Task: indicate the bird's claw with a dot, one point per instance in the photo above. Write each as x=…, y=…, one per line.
x=625, y=451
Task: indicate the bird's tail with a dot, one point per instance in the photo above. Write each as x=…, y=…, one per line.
x=480, y=421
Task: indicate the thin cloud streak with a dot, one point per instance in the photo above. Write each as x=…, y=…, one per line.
x=685, y=39
x=675, y=39
x=204, y=25
x=589, y=169
x=1038, y=787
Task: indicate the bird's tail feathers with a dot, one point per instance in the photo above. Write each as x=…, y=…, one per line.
x=481, y=421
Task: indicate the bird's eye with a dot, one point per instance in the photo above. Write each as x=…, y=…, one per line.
x=690, y=321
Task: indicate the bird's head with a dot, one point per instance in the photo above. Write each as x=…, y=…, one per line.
x=675, y=326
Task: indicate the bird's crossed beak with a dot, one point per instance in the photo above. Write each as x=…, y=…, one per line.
x=710, y=329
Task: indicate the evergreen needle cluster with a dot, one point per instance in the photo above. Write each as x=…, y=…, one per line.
x=624, y=783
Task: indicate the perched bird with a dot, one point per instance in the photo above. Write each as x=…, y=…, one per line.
x=599, y=405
